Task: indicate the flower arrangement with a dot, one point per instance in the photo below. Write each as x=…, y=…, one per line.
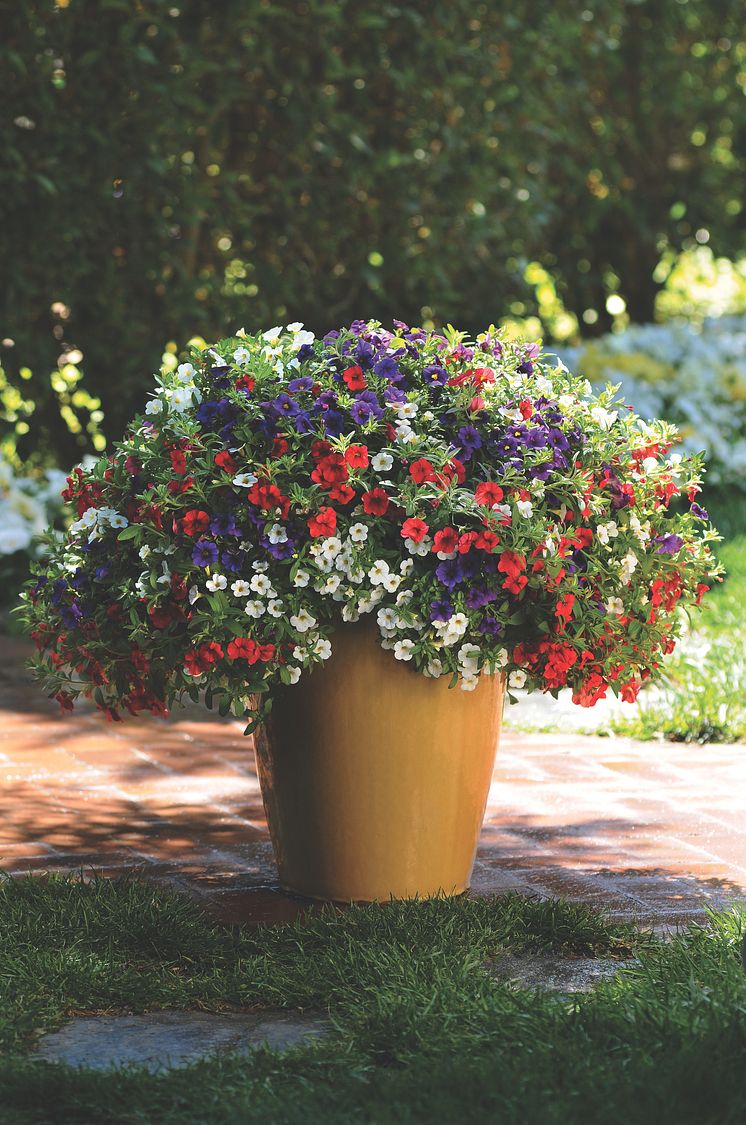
x=694, y=377
x=485, y=508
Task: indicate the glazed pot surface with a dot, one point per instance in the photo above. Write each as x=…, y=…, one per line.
x=374, y=777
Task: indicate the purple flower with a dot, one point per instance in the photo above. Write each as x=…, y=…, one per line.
x=435, y=375
x=469, y=441
x=224, y=524
x=232, y=561
x=364, y=353
x=490, y=626
x=366, y=406
x=205, y=553
x=305, y=352
x=388, y=368
x=333, y=423
x=59, y=589
x=71, y=615
x=669, y=544
x=700, y=513
x=448, y=574
x=441, y=610
x=393, y=394
x=285, y=406
x=303, y=384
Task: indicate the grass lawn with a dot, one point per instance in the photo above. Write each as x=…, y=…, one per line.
x=423, y=1032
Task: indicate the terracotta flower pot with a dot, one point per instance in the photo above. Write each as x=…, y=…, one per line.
x=374, y=777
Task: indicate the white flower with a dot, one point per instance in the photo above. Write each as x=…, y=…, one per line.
x=254, y=609
x=603, y=418
x=391, y=582
x=459, y=623
x=500, y=659
x=468, y=657
x=468, y=681
x=241, y=356
x=405, y=567
x=615, y=605
x=301, y=338
x=302, y=578
x=302, y=621
x=194, y=594
x=260, y=584
x=155, y=406
x=260, y=567
x=277, y=534
x=606, y=531
x=180, y=399
x=273, y=334
x=628, y=565
x=300, y=653
x=293, y=675
x=434, y=668
x=275, y=607
x=405, y=410
x=350, y=613
x=403, y=650
x=517, y=679
x=240, y=588
x=378, y=571
x=422, y=549
x=525, y=508
x=358, y=532
x=118, y=521
x=322, y=648
x=244, y=480
x=331, y=585
x=217, y=582
x=144, y=552
x=381, y=463
x=331, y=546
x=641, y=531
x=185, y=373
x=387, y=618
x=295, y=326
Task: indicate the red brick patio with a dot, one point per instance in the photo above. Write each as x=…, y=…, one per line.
x=648, y=832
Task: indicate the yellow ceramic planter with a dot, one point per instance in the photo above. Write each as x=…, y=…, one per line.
x=374, y=777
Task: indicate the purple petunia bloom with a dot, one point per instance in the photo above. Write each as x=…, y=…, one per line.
x=205, y=553
x=388, y=368
x=305, y=352
x=59, y=589
x=490, y=626
x=469, y=441
x=304, y=383
x=698, y=512
x=364, y=353
x=333, y=423
x=441, y=610
x=435, y=375
x=224, y=524
x=71, y=615
x=669, y=544
x=448, y=574
x=285, y=406
x=365, y=406
x=232, y=561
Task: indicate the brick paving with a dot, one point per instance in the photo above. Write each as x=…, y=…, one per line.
x=650, y=833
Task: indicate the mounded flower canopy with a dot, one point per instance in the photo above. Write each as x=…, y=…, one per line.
x=478, y=500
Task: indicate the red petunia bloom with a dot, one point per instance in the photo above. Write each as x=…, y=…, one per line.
x=525, y=408
x=376, y=502
x=354, y=378
x=265, y=495
x=195, y=522
x=342, y=494
x=356, y=456
x=178, y=487
x=330, y=470
x=466, y=542
x=243, y=648
x=320, y=449
x=589, y=692
x=280, y=447
x=486, y=541
x=421, y=471
x=414, y=529
x=446, y=540
x=245, y=383
x=226, y=462
x=488, y=494
x=323, y=523
x=563, y=611
x=203, y=658
x=178, y=461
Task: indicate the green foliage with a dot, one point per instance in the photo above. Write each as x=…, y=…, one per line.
x=198, y=167
x=422, y=1030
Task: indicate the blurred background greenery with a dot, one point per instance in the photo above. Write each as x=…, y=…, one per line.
x=179, y=167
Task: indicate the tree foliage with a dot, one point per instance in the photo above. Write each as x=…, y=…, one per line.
x=179, y=166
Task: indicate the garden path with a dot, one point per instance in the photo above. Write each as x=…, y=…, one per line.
x=653, y=833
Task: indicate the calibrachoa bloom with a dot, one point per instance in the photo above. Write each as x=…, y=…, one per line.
x=482, y=508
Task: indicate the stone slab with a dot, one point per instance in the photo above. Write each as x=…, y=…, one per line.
x=162, y=1040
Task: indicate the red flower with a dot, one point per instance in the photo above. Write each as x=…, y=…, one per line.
x=375, y=502
x=201, y=659
x=342, y=494
x=451, y=469
x=330, y=470
x=65, y=701
x=354, y=378
x=132, y=466
x=356, y=456
x=179, y=588
x=226, y=462
x=243, y=648
x=466, y=542
x=265, y=495
x=178, y=487
x=279, y=447
x=525, y=408
x=320, y=449
x=178, y=461
x=414, y=529
x=563, y=611
x=589, y=693
x=446, y=540
x=630, y=690
x=421, y=471
x=162, y=616
x=323, y=523
x=245, y=383
x=488, y=494
x=512, y=564
x=486, y=541
x=195, y=522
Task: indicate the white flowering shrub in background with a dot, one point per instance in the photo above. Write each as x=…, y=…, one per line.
x=28, y=505
x=693, y=377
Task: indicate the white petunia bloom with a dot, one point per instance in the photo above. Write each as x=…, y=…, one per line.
x=358, y=532
x=615, y=605
x=607, y=531
x=331, y=585
x=260, y=584
x=275, y=607
x=405, y=410
x=277, y=534
x=293, y=675
x=381, y=463
x=405, y=567
x=260, y=567
x=392, y=582
x=403, y=650
x=240, y=588
x=302, y=621
x=434, y=668
x=144, y=551
x=322, y=648
x=185, y=373
x=627, y=566
x=194, y=594
x=468, y=682
x=525, y=508
x=241, y=356
x=255, y=608
x=217, y=582
x=378, y=571
x=272, y=335
x=244, y=480
x=331, y=546
x=604, y=418
x=302, y=578
x=118, y=520
x=387, y=618
x=180, y=399
x=517, y=678
x=155, y=406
